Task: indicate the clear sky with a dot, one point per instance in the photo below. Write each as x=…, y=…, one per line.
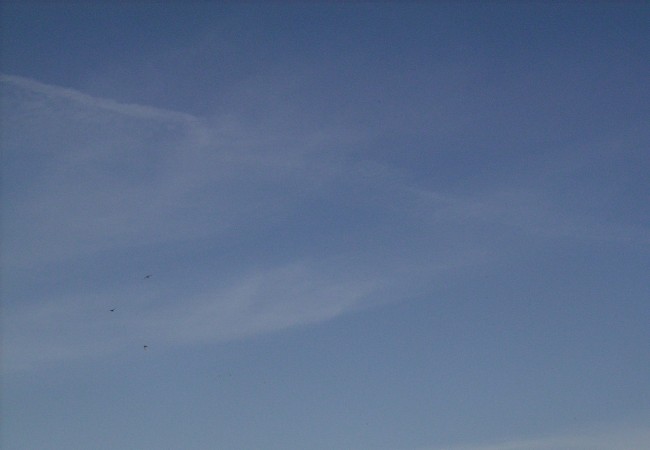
x=369, y=226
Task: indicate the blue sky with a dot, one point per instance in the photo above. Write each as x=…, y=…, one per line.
x=404, y=226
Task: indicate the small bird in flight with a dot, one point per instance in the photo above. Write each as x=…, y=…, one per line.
x=146, y=347
x=111, y=310
x=147, y=276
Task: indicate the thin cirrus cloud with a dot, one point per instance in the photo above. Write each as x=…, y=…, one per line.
x=95, y=190
x=282, y=228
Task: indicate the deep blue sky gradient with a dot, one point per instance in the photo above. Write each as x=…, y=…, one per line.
x=408, y=225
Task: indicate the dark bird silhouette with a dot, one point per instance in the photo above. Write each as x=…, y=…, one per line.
x=146, y=347
x=147, y=276
x=111, y=310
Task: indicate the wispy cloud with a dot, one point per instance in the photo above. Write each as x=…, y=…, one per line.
x=59, y=93
x=67, y=327
x=86, y=174
x=95, y=189
x=282, y=227
x=530, y=212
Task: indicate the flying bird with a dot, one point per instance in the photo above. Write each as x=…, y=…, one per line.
x=147, y=276
x=146, y=347
x=111, y=310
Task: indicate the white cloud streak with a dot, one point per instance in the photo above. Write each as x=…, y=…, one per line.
x=90, y=181
x=103, y=104
x=70, y=327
